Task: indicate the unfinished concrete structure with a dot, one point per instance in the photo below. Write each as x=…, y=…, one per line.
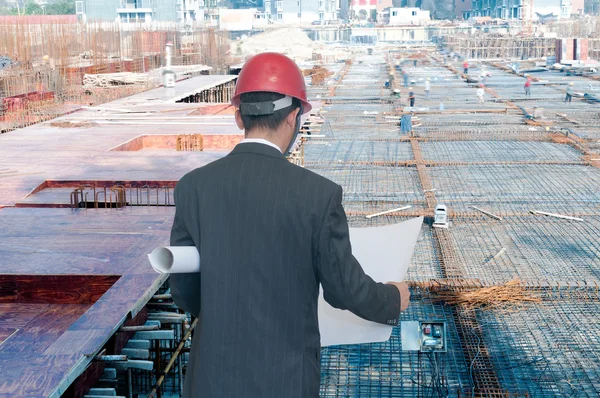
x=85, y=197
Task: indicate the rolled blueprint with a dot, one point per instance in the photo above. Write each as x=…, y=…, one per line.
x=175, y=259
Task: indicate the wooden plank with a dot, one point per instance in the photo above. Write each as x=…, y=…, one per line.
x=17, y=315
x=54, y=289
x=42, y=331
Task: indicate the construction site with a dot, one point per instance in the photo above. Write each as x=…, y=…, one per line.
x=504, y=133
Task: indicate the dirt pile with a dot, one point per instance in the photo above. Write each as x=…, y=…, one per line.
x=292, y=42
x=318, y=75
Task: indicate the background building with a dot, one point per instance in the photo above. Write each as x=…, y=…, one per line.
x=141, y=11
x=462, y=9
x=301, y=11
x=513, y=9
x=363, y=10
x=406, y=16
x=505, y=9
x=592, y=7
x=577, y=7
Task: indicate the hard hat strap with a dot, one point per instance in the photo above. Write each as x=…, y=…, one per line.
x=288, y=151
x=266, y=107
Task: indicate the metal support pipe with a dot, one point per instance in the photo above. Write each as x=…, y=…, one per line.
x=141, y=328
x=173, y=358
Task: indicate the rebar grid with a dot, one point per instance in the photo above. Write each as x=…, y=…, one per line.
x=472, y=120
x=374, y=183
x=548, y=350
x=569, y=188
x=541, y=250
x=355, y=151
x=510, y=133
x=499, y=164
x=499, y=151
x=383, y=370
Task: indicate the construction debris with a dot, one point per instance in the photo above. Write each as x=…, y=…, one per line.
x=318, y=75
x=74, y=124
x=508, y=296
x=388, y=212
x=487, y=213
x=556, y=215
x=115, y=79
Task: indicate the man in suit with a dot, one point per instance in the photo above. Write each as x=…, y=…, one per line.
x=268, y=233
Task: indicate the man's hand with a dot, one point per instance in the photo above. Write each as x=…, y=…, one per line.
x=404, y=294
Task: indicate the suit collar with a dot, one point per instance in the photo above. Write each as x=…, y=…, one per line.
x=256, y=148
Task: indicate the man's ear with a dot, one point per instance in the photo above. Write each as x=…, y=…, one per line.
x=291, y=118
x=238, y=119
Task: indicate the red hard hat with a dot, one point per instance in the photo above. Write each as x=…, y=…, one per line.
x=274, y=73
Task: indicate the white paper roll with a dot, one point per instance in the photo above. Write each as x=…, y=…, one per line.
x=175, y=259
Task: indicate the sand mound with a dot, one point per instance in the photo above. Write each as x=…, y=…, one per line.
x=290, y=41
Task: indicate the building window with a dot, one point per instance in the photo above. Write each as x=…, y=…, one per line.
x=79, y=7
x=321, y=16
x=394, y=13
x=279, y=5
x=320, y=4
x=414, y=13
x=268, y=5
x=279, y=16
x=299, y=15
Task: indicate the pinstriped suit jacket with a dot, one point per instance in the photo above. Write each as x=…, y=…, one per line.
x=268, y=233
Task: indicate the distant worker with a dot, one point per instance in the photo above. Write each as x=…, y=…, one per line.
x=485, y=75
x=269, y=234
x=415, y=64
x=481, y=93
x=427, y=88
x=569, y=92
x=466, y=67
x=405, y=78
x=42, y=74
x=411, y=97
x=528, y=86
x=397, y=93
x=406, y=124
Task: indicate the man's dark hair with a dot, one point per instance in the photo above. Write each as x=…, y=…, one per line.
x=271, y=122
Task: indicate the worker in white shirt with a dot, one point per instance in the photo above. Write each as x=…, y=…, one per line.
x=427, y=88
x=480, y=93
x=569, y=95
